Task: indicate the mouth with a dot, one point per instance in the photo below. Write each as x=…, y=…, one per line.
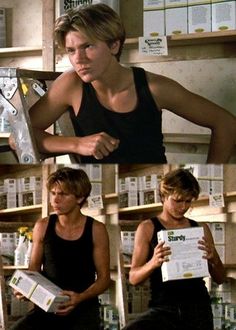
x=83, y=70
x=56, y=208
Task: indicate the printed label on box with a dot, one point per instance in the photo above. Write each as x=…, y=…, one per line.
x=38, y=289
x=186, y=259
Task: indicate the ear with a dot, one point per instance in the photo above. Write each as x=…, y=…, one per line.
x=115, y=46
x=80, y=200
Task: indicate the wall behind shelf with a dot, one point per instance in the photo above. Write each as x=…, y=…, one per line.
x=24, y=22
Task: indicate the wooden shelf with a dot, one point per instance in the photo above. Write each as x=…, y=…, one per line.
x=12, y=267
x=194, y=38
x=141, y=208
x=111, y=196
x=21, y=210
x=193, y=46
x=4, y=135
x=158, y=206
x=230, y=266
x=186, y=138
x=21, y=51
x=173, y=41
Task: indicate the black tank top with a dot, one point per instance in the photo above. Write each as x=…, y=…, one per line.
x=69, y=264
x=174, y=292
x=139, y=131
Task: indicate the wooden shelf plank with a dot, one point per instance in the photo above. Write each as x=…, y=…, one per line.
x=194, y=38
x=21, y=210
x=12, y=267
x=158, y=206
x=206, y=45
x=4, y=135
x=21, y=51
x=173, y=40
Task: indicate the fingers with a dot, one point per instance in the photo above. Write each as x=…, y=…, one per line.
x=19, y=296
x=209, y=249
x=104, y=145
x=12, y=142
x=161, y=253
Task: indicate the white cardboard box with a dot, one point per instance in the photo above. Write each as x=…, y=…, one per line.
x=38, y=289
x=223, y=15
x=128, y=199
x=153, y=4
x=186, y=259
x=199, y=18
x=175, y=3
x=148, y=182
x=154, y=23
x=176, y=20
x=29, y=183
x=65, y=4
x=149, y=196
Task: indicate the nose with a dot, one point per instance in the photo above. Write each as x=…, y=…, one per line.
x=183, y=205
x=80, y=56
x=56, y=198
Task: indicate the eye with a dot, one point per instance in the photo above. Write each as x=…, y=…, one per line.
x=70, y=50
x=88, y=46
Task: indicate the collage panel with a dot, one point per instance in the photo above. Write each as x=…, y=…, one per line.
x=117, y=164
x=178, y=205
x=59, y=231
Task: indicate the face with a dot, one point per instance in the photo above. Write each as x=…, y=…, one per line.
x=90, y=59
x=62, y=201
x=177, y=205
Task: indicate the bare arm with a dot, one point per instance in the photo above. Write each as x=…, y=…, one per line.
x=172, y=96
x=216, y=268
x=101, y=257
x=66, y=91
x=141, y=268
x=37, y=247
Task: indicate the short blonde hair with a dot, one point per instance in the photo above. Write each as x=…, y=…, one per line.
x=180, y=182
x=74, y=181
x=97, y=21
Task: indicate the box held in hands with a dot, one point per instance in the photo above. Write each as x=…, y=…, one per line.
x=186, y=259
x=38, y=289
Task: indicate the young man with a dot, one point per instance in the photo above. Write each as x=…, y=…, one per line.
x=177, y=304
x=115, y=110
x=72, y=250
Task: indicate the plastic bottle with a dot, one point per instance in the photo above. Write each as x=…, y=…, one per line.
x=20, y=251
x=29, y=248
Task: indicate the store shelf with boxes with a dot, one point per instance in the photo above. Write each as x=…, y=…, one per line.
x=216, y=206
x=22, y=207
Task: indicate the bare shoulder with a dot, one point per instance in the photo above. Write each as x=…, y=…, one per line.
x=100, y=234
x=145, y=228
x=99, y=226
x=68, y=78
x=159, y=85
x=65, y=91
x=40, y=227
x=157, y=81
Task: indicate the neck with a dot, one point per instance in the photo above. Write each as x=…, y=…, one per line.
x=71, y=219
x=112, y=81
x=170, y=221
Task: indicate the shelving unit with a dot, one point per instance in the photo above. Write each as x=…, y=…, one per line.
x=11, y=219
